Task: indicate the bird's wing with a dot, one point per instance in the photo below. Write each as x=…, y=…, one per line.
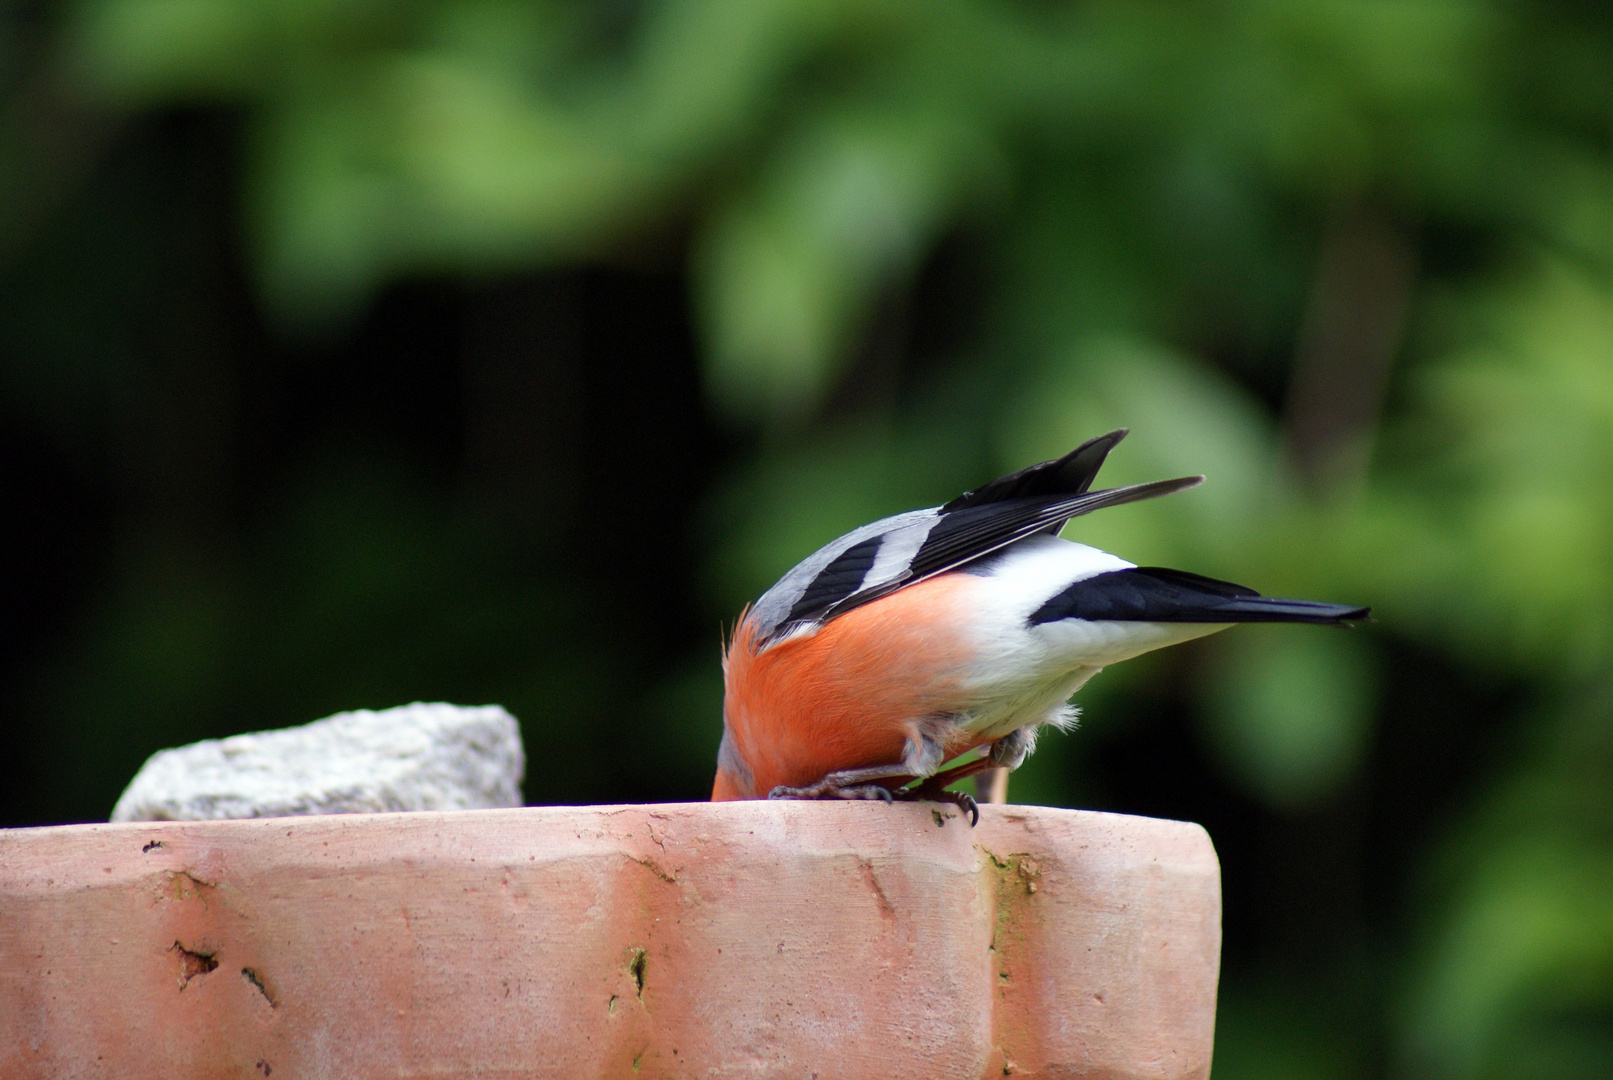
x=1155, y=594
x=1071, y=474
x=878, y=559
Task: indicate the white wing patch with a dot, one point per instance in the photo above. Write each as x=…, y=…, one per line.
x=896, y=551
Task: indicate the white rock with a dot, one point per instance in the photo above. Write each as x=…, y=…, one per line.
x=414, y=757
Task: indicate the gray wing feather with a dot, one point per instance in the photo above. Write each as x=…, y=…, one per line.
x=878, y=559
x=903, y=532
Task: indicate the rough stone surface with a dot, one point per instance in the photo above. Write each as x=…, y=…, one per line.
x=751, y=940
x=414, y=757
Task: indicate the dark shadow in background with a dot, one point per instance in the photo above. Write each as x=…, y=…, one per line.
x=529, y=450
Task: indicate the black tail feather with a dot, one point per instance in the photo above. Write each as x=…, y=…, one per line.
x=1156, y=594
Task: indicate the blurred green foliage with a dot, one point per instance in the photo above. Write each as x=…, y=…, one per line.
x=1353, y=259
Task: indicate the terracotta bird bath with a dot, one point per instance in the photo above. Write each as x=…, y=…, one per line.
x=836, y=940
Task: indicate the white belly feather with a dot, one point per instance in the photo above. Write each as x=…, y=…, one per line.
x=1024, y=673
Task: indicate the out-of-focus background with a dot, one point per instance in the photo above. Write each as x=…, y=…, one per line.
x=354, y=353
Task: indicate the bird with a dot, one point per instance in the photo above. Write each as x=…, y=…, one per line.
x=924, y=636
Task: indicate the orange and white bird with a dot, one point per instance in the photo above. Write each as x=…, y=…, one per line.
x=920, y=637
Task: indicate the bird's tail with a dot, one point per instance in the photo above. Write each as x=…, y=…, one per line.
x=1155, y=594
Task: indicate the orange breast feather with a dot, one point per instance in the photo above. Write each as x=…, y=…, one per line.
x=850, y=694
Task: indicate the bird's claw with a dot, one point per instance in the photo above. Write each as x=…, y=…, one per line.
x=966, y=803
x=962, y=800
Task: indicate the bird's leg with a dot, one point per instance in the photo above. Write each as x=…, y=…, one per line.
x=873, y=782
x=933, y=788
x=1012, y=749
x=958, y=772
x=991, y=785
x=1007, y=754
x=922, y=754
x=886, y=781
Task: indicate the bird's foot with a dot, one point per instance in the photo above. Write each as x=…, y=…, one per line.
x=872, y=782
x=931, y=792
x=885, y=783
x=834, y=786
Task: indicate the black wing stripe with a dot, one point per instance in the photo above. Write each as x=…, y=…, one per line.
x=964, y=535
x=974, y=531
x=1155, y=594
x=840, y=579
x=1071, y=474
